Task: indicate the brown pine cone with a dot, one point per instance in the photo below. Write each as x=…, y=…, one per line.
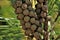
x=26, y=18
x=18, y=10
x=30, y=8
x=37, y=23
x=45, y=8
x=38, y=11
x=39, y=5
x=28, y=2
x=24, y=6
x=40, y=30
x=28, y=32
x=28, y=25
x=18, y=3
x=42, y=20
x=36, y=35
x=32, y=20
x=33, y=27
x=31, y=14
x=26, y=12
x=20, y=16
x=43, y=14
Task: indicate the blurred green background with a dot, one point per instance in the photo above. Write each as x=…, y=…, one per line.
x=12, y=30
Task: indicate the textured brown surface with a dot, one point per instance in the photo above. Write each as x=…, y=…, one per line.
x=31, y=20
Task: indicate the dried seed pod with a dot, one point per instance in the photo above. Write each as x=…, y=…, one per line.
x=28, y=32
x=31, y=14
x=18, y=10
x=40, y=1
x=26, y=12
x=28, y=25
x=36, y=35
x=26, y=18
x=45, y=8
x=37, y=22
x=24, y=6
x=20, y=16
x=18, y=3
x=33, y=27
x=39, y=5
x=32, y=20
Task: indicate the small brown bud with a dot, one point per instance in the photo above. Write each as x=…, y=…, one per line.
x=32, y=20
x=18, y=3
x=36, y=35
x=28, y=25
x=26, y=18
x=28, y=32
x=24, y=6
x=20, y=16
x=45, y=8
x=31, y=14
x=26, y=12
x=33, y=27
x=37, y=23
x=18, y=10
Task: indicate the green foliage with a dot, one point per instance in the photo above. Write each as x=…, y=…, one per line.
x=53, y=9
x=14, y=30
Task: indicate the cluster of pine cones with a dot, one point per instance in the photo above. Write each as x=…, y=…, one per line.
x=33, y=21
